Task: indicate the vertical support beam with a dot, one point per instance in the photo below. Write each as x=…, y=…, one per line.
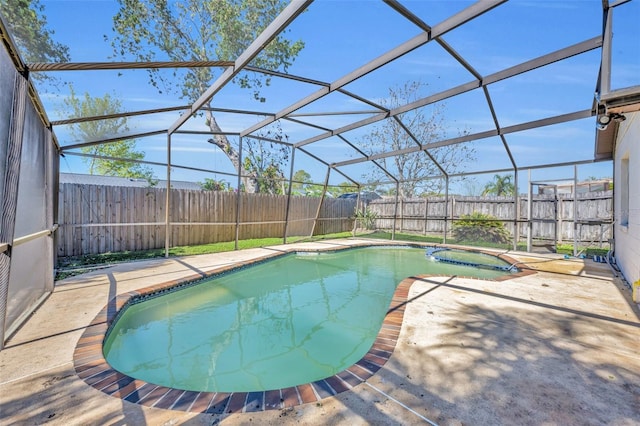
x=601, y=235
x=453, y=211
x=575, y=210
x=324, y=192
x=355, y=221
x=52, y=193
x=359, y=189
x=529, y=214
x=516, y=210
x=286, y=213
x=167, y=207
x=446, y=209
x=395, y=211
x=238, y=193
x=401, y=204
x=605, y=72
x=560, y=205
x=9, y=203
x=555, y=218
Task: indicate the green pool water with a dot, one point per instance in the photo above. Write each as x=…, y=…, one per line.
x=281, y=323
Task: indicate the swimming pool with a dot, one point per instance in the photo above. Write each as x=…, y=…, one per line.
x=292, y=320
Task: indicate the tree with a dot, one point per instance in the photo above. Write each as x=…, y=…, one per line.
x=29, y=30
x=500, y=186
x=28, y=26
x=204, y=30
x=122, y=150
x=414, y=169
x=342, y=188
x=299, y=182
x=215, y=185
x=268, y=179
x=264, y=161
x=471, y=187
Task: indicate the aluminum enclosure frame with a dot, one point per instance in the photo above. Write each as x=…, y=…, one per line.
x=430, y=34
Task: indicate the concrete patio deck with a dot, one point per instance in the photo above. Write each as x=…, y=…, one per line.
x=561, y=346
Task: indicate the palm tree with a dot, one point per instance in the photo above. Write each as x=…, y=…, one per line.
x=501, y=185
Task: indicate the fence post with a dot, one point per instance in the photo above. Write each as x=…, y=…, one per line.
x=516, y=213
x=426, y=214
x=453, y=210
x=560, y=218
x=446, y=208
x=529, y=215
x=401, y=214
x=355, y=219
x=575, y=211
x=395, y=211
x=555, y=218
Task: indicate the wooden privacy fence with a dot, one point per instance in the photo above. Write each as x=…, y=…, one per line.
x=99, y=219
x=594, y=213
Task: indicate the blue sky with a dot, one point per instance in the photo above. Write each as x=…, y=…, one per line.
x=342, y=35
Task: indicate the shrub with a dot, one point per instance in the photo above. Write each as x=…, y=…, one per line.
x=480, y=227
x=366, y=217
x=215, y=185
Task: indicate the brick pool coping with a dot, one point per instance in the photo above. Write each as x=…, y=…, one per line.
x=91, y=366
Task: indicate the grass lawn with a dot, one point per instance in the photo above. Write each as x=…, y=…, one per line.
x=75, y=265
x=438, y=240
x=521, y=246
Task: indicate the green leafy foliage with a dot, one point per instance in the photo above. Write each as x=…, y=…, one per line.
x=210, y=30
x=303, y=185
x=500, y=186
x=269, y=179
x=342, y=188
x=366, y=217
x=75, y=265
x=587, y=251
x=215, y=185
x=116, y=154
x=421, y=126
x=201, y=30
x=263, y=162
x=385, y=235
x=480, y=227
x=28, y=26
x=299, y=182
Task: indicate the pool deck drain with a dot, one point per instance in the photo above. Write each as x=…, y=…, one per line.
x=553, y=347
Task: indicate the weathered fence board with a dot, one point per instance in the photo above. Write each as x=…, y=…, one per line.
x=98, y=219
x=427, y=216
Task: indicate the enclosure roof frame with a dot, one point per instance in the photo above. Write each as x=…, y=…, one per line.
x=606, y=101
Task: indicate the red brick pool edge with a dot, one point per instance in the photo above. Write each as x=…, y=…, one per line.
x=91, y=366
